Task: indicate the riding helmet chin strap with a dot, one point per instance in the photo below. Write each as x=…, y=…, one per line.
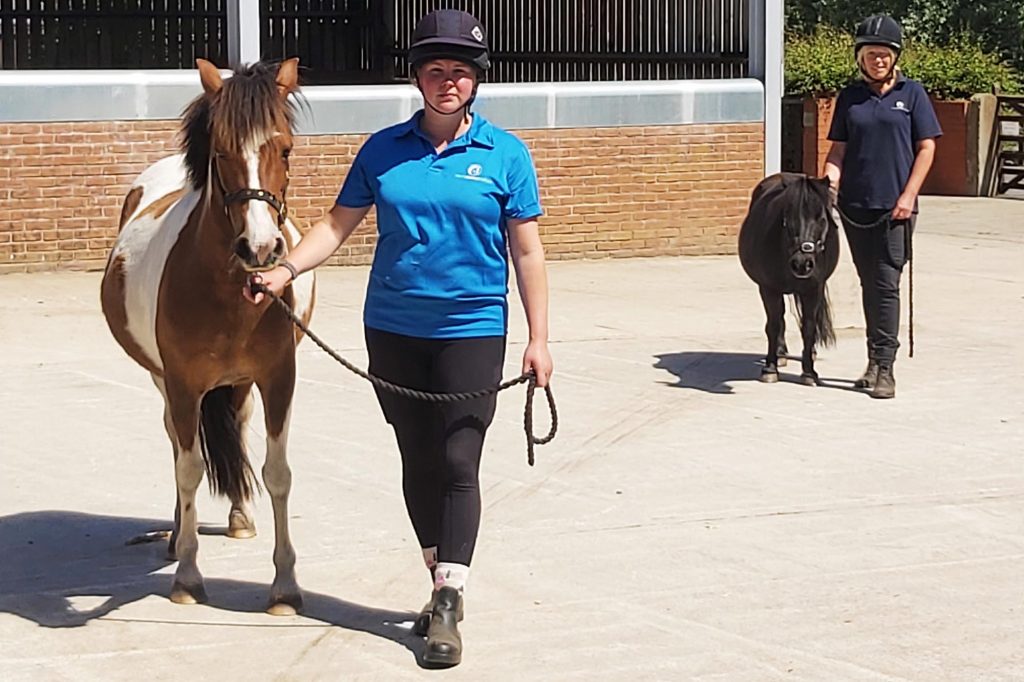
x=463, y=110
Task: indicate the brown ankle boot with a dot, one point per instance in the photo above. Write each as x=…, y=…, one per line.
x=885, y=384
x=870, y=376
x=444, y=643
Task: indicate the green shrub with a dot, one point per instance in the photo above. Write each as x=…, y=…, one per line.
x=821, y=64
x=958, y=70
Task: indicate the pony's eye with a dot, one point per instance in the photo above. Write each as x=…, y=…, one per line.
x=285, y=153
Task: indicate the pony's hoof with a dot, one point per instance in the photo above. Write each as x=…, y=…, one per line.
x=809, y=379
x=240, y=527
x=782, y=361
x=241, y=533
x=769, y=377
x=188, y=594
x=285, y=605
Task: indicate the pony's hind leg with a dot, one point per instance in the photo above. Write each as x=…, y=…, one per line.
x=240, y=521
x=782, y=349
x=183, y=407
x=775, y=309
x=285, y=596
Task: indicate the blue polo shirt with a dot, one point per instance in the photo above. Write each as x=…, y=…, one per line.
x=440, y=268
x=881, y=133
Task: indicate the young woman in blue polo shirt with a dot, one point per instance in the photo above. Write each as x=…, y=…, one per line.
x=883, y=141
x=454, y=196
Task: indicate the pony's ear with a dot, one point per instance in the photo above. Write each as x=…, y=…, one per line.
x=209, y=76
x=288, y=76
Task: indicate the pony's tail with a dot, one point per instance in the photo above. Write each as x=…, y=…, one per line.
x=220, y=439
x=824, y=332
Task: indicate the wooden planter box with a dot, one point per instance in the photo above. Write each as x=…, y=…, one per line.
x=961, y=153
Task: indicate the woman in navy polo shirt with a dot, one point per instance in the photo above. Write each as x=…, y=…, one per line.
x=454, y=196
x=883, y=141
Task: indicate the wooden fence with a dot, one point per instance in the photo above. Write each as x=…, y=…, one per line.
x=111, y=34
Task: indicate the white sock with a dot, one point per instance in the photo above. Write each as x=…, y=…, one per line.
x=451, y=575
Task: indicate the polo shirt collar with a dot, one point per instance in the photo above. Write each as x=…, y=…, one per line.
x=898, y=85
x=480, y=133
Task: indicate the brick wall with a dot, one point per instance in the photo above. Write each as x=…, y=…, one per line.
x=607, y=192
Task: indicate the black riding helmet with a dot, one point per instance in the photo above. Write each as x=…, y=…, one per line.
x=879, y=29
x=449, y=34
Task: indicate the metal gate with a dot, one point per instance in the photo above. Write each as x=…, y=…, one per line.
x=589, y=40
x=365, y=41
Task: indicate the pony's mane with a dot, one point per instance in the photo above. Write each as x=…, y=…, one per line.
x=807, y=194
x=248, y=106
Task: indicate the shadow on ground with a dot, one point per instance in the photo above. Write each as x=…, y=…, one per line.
x=715, y=371
x=51, y=559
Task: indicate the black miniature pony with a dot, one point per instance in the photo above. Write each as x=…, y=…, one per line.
x=789, y=244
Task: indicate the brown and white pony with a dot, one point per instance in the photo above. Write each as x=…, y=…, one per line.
x=193, y=227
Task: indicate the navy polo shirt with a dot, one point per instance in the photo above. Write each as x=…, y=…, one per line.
x=440, y=268
x=881, y=133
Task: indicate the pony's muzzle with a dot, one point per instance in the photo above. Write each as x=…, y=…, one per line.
x=802, y=265
x=262, y=257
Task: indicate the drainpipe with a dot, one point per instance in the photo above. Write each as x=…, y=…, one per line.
x=243, y=32
x=766, y=63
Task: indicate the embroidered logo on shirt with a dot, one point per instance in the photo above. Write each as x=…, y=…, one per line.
x=900, y=106
x=473, y=172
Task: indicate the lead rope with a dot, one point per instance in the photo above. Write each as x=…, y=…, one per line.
x=529, y=378
x=909, y=247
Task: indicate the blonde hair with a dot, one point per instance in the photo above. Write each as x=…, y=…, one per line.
x=863, y=51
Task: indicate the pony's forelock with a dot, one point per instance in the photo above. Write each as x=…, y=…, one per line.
x=248, y=107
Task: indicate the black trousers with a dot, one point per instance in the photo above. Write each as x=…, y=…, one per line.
x=879, y=254
x=440, y=443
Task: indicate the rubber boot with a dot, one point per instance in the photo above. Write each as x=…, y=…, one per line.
x=885, y=384
x=422, y=622
x=444, y=644
x=870, y=376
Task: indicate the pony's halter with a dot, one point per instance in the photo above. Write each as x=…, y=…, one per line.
x=252, y=194
x=249, y=194
x=810, y=247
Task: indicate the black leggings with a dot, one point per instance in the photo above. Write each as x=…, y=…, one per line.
x=879, y=254
x=441, y=443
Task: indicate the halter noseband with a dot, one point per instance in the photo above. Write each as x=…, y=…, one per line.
x=249, y=194
x=252, y=194
x=810, y=247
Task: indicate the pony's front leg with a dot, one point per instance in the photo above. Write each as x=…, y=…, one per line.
x=809, y=303
x=173, y=437
x=183, y=405
x=285, y=596
x=775, y=309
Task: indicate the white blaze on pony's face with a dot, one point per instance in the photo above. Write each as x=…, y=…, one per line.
x=250, y=176
x=261, y=167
